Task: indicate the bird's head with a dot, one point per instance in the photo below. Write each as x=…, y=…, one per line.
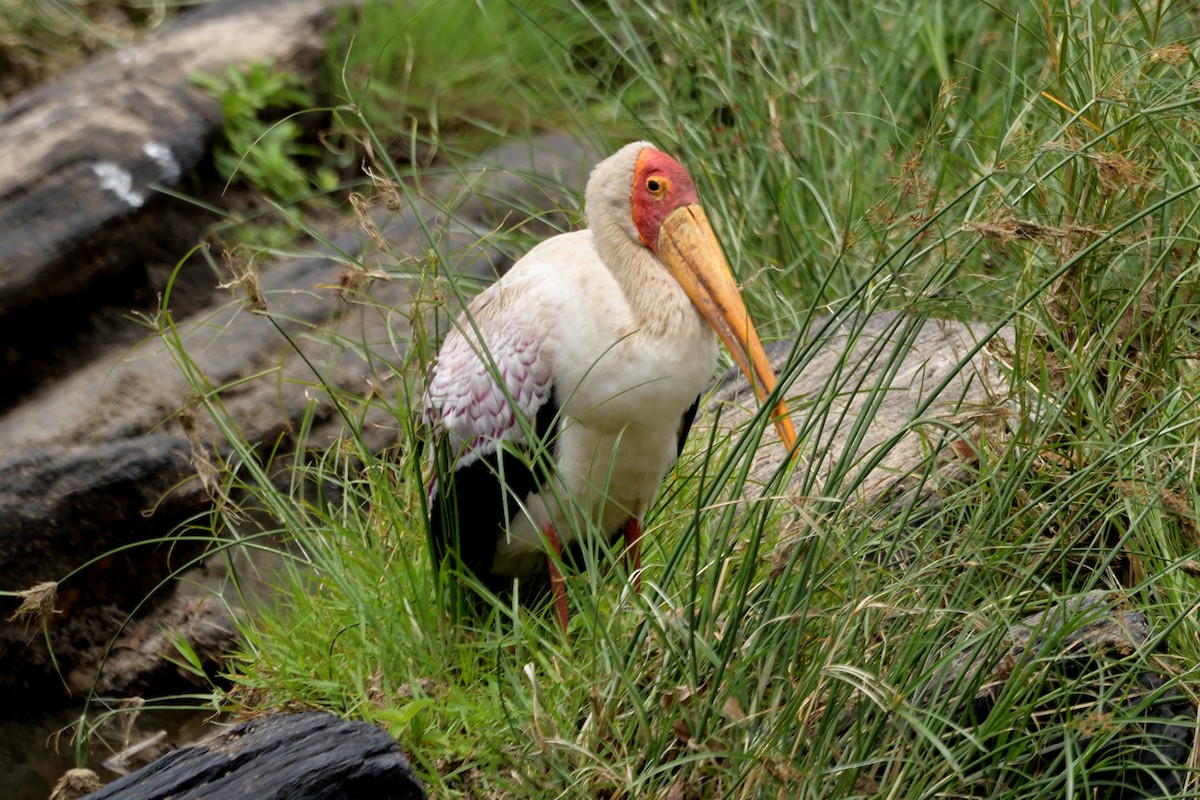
x=650, y=198
x=660, y=186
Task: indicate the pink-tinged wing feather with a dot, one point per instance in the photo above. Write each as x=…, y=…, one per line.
x=499, y=351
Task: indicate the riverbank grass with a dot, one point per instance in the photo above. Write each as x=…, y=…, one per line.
x=1033, y=172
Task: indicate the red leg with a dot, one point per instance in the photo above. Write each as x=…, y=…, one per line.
x=557, y=588
x=633, y=552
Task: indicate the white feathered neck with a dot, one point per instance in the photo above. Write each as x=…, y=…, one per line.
x=658, y=301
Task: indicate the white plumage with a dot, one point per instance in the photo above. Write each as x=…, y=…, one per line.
x=602, y=350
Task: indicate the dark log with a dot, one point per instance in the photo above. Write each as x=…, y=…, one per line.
x=307, y=756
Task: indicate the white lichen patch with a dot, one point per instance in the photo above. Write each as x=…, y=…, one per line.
x=117, y=180
x=160, y=154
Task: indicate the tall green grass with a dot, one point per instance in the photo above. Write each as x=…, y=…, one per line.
x=1030, y=169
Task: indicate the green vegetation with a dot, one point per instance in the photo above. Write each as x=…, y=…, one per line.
x=458, y=74
x=266, y=154
x=1033, y=168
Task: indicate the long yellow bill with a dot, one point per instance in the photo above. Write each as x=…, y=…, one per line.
x=689, y=248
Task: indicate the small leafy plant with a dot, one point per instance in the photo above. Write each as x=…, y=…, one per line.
x=260, y=148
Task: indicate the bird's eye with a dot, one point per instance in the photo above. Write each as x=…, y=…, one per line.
x=656, y=186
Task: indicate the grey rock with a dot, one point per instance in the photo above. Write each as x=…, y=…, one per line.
x=865, y=427
x=1087, y=625
x=76, y=205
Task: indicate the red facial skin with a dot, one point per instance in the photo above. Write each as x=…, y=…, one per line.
x=660, y=185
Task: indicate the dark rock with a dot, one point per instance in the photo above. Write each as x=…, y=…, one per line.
x=1088, y=624
x=145, y=660
x=93, y=498
x=285, y=757
x=69, y=515
x=1087, y=657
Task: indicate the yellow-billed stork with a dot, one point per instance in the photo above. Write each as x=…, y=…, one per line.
x=591, y=353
